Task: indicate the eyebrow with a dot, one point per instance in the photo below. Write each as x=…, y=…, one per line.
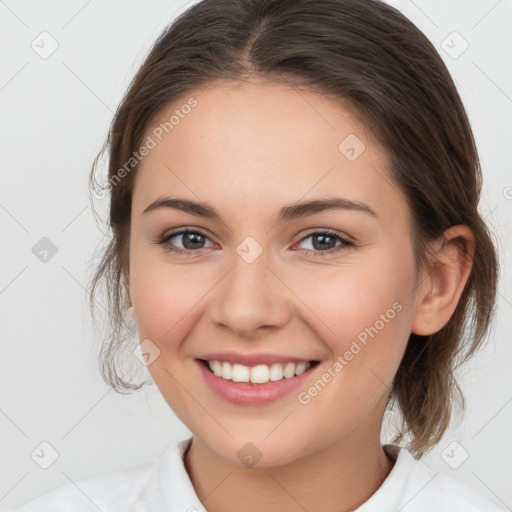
x=290, y=212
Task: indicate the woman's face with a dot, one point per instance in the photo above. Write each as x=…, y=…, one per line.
x=259, y=282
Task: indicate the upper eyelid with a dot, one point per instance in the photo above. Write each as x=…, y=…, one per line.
x=184, y=231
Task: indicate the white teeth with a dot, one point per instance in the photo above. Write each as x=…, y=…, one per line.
x=301, y=368
x=289, y=370
x=240, y=373
x=216, y=367
x=276, y=372
x=227, y=371
x=259, y=374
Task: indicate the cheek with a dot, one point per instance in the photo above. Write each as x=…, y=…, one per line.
x=167, y=298
x=163, y=303
x=368, y=315
x=354, y=297
x=364, y=314
x=166, y=295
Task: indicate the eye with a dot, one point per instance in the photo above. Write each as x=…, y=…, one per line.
x=324, y=242
x=191, y=241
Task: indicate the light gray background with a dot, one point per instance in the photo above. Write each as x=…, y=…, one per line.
x=55, y=113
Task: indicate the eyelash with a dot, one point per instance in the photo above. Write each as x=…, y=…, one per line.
x=316, y=253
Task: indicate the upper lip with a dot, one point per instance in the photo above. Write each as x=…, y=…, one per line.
x=252, y=359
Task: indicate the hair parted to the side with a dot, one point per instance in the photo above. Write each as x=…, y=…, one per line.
x=370, y=58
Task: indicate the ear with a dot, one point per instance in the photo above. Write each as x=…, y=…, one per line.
x=439, y=293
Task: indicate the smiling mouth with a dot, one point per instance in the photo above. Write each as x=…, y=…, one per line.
x=258, y=374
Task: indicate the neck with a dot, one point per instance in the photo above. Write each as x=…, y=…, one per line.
x=340, y=477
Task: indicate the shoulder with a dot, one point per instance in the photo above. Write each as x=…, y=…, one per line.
x=132, y=488
x=422, y=489
x=452, y=495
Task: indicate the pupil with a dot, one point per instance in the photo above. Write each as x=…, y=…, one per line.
x=321, y=245
x=189, y=237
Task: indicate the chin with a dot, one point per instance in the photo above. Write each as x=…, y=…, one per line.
x=259, y=452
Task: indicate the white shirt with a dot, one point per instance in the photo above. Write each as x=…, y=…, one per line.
x=163, y=485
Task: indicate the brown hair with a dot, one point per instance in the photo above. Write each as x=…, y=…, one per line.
x=370, y=58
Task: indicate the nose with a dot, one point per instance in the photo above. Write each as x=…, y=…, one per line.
x=251, y=299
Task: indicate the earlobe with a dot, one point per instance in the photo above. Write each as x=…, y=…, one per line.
x=449, y=272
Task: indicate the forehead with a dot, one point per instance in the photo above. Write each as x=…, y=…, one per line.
x=255, y=143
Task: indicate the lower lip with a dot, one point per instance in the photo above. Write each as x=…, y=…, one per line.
x=245, y=393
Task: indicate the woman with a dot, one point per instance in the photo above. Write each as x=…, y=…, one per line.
x=294, y=189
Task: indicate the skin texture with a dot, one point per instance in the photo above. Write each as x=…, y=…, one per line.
x=248, y=149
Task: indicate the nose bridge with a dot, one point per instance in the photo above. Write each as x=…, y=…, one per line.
x=251, y=296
